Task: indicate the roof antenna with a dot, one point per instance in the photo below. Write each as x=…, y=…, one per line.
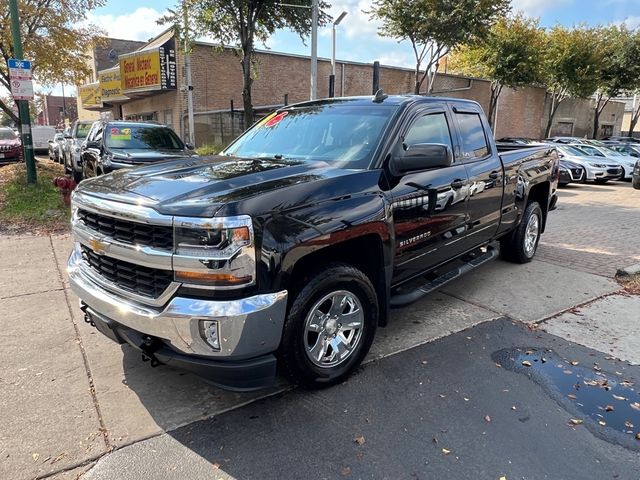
x=380, y=96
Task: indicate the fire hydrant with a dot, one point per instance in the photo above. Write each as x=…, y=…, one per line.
x=66, y=186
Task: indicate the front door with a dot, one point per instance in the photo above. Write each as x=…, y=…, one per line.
x=429, y=206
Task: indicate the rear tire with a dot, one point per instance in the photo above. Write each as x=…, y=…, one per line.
x=77, y=176
x=522, y=244
x=317, y=351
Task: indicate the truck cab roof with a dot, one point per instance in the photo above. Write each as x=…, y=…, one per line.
x=394, y=100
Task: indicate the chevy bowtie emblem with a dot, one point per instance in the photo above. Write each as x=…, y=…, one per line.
x=98, y=246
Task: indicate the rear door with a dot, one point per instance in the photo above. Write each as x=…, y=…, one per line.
x=429, y=206
x=485, y=172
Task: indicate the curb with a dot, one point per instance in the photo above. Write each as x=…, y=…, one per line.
x=629, y=271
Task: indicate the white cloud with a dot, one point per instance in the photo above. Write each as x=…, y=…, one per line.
x=632, y=21
x=357, y=24
x=137, y=25
x=535, y=8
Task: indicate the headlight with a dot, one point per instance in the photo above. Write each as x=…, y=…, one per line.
x=215, y=252
x=598, y=165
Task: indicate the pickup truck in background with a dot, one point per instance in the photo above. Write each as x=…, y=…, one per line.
x=290, y=247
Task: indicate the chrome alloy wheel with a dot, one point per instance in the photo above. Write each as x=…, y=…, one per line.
x=531, y=235
x=333, y=328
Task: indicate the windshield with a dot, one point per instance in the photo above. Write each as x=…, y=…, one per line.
x=341, y=134
x=612, y=153
x=7, y=134
x=83, y=130
x=571, y=151
x=142, y=137
x=591, y=151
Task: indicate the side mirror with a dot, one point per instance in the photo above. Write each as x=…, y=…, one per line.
x=189, y=146
x=50, y=140
x=422, y=156
x=91, y=145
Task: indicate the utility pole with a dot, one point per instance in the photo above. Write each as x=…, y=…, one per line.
x=314, y=50
x=187, y=65
x=23, y=105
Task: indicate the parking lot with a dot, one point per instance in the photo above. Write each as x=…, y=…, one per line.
x=73, y=398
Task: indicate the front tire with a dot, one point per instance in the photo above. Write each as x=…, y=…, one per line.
x=522, y=244
x=330, y=327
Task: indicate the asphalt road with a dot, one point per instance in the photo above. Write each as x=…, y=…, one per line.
x=448, y=409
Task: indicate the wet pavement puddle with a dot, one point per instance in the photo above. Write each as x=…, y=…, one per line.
x=606, y=402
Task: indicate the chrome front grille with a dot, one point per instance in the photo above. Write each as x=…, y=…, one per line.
x=145, y=281
x=132, y=233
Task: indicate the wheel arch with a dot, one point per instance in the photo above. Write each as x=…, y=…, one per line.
x=366, y=253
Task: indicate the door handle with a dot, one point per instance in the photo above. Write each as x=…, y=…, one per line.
x=494, y=175
x=457, y=183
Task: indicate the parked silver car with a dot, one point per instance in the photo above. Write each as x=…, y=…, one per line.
x=596, y=169
x=627, y=162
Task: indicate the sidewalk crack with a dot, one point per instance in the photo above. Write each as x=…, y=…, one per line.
x=85, y=359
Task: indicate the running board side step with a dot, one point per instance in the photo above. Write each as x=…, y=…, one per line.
x=407, y=298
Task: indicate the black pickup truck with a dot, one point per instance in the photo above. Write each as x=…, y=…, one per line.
x=290, y=247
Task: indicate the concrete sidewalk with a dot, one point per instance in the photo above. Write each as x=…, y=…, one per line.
x=70, y=395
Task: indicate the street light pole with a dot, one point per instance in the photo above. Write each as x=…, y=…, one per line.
x=187, y=68
x=332, y=77
x=23, y=105
x=314, y=50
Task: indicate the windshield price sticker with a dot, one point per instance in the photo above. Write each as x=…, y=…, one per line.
x=273, y=120
x=120, y=134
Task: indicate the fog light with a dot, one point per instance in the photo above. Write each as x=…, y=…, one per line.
x=209, y=331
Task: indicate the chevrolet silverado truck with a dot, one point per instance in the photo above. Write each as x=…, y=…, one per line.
x=285, y=252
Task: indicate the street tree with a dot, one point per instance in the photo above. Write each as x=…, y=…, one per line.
x=241, y=23
x=54, y=36
x=512, y=55
x=619, y=70
x=571, y=66
x=635, y=113
x=436, y=27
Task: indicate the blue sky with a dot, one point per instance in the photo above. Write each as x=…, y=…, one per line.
x=357, y=35
x=357, y=38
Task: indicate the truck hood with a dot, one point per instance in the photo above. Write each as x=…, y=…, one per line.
x=200, y=186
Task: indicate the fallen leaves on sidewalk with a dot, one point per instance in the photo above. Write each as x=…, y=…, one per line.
x=359, y=440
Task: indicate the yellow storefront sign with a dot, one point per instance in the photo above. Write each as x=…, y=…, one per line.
x=110, y=85
x=90, y=95
x=140, y=71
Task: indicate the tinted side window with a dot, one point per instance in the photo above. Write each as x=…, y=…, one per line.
x=474, y=141
x=429, y=129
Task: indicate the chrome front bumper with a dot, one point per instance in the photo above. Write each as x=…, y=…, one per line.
x=248, y=327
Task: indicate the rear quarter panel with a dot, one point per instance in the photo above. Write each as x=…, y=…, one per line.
x=524, y=168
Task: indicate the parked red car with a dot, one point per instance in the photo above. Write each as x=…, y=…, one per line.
x=10, y=146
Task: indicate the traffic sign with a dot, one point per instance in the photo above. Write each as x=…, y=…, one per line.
x=15, y=63
x=22, y=89
x=20, y=79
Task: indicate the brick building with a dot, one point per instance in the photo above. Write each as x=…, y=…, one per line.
x=284, y=78
x=55, y=109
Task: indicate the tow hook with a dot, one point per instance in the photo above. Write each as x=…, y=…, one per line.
x=152, y=359
x=87, y=317
x=148, y=347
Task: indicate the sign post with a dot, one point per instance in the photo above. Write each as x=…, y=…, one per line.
x=22, y=89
